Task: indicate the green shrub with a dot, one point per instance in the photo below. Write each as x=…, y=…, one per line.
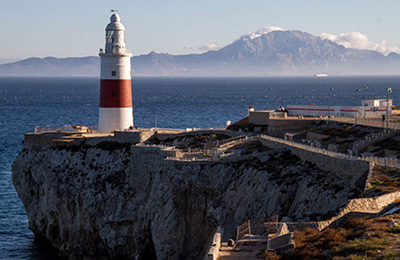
x=395, y=229
x=390, y=256
x=376, y=182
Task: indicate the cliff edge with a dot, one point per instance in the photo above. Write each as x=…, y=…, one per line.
x=108, y=198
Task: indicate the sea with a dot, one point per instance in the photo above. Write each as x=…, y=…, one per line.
x=26, y=102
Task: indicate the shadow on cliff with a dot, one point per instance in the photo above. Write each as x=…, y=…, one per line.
x=41, y=249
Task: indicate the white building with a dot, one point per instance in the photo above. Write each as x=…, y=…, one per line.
x=369, y=108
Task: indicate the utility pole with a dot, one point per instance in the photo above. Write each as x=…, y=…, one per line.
x=355, y=107
x=330, y=99
x=155, y=120
x=365, y=98
x=268, y=95
x=389, y=90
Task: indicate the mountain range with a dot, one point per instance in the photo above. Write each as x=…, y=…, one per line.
x=277, y=53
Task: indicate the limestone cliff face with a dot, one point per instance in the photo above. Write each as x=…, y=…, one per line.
x=122, y=201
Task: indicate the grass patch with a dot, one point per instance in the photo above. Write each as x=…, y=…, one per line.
x=384, y=180
x=361, y=247
x=361, y=238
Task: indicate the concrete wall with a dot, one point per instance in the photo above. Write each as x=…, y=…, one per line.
x=215, y=245
x=355, y=171
x=262, y=117
x=361, y=204
x=133, y=136
x=354, y=205
x=258, y=117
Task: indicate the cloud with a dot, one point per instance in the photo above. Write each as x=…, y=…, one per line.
x=210, y=47
x=359, y=40
x=188, y=47
x=262, y=31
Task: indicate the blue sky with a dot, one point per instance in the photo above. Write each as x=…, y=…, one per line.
x=64, y=28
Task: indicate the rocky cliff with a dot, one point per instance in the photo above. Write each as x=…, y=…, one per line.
x=121, y=201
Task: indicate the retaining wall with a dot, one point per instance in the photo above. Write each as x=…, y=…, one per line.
x=133, y=136
x=359, y=204
x=355, y=171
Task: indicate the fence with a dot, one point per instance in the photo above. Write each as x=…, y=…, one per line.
x=381, y=161
x=375, y=122
x=219, y=153
x=243, y=230
x=188, y=129
x=240, y=140
x=371, y=138
x=48, y=128
x=307, y=147
x=39, y=129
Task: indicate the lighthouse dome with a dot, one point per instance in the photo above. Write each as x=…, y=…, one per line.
x=115, y=23
x=115, y=18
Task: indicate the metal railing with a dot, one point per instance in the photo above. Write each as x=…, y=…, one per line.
x=371, y=138
x=374, y=122
x=43, y=129
x=381, y=161
x=220, y=154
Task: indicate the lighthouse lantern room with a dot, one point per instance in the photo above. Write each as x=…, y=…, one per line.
x=115, y=80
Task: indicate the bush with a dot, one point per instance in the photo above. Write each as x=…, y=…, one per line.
x=395, y=229
x=390, y=256
x=271, y=256
x=376, y=182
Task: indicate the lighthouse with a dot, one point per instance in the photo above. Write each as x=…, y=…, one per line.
x=115, y=80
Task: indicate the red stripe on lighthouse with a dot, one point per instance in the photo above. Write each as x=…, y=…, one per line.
x=115, y=93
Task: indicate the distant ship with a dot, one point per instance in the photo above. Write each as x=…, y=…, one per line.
x=321, y=75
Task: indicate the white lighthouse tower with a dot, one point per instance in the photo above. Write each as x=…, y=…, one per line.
x=115, y=80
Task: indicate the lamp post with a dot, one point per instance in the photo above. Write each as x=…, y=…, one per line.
x=389, y=90
x=330, y=99
x=355, y=107
x=365, y=98
x=155, y=120
x=268, y=95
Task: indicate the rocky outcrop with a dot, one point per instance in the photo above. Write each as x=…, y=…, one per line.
x=122, y=201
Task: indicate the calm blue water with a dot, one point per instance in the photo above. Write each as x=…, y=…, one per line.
x=177, y=102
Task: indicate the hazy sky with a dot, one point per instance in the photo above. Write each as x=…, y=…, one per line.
x=64, y=28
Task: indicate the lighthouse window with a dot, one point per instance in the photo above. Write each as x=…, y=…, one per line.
x=109, y=36
x=113, y=93
x=113, y=73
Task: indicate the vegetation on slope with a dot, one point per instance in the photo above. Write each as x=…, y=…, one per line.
x=362, y=238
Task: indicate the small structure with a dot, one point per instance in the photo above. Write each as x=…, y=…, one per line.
x=282, y=243
x=368, y=108
x=261, y=117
